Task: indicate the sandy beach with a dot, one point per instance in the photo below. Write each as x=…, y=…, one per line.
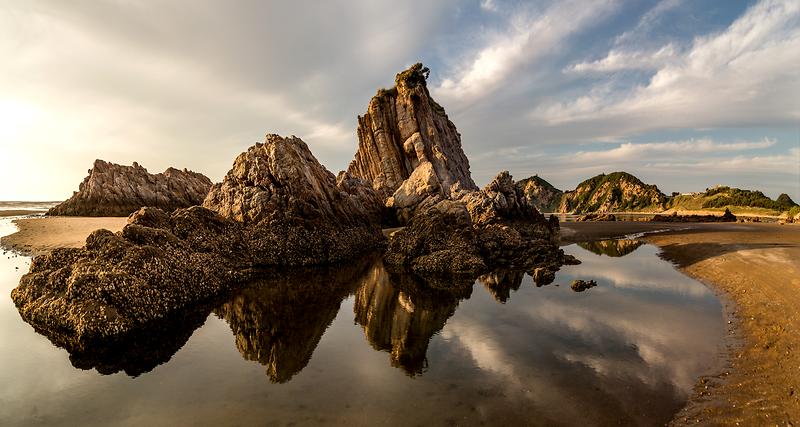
x=39, y=235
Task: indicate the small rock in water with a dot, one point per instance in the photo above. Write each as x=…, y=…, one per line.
x=582, y=285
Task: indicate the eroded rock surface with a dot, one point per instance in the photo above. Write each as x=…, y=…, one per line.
x=277, y=207
x=408, y=149
x=540, y=193
x=116, y=190
x=484, y=230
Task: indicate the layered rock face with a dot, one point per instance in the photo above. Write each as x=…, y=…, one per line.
x=116, y=190
x=408, y=148
x=294, y=210
x=540, y=193
x=615, y=192
x=279, y=207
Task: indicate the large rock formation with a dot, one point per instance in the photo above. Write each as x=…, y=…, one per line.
x=294, y=210
x=615, y=192
x=484, y=230
x=540, y=193
x=408, y=149
x=279, y=207
x=116, y=190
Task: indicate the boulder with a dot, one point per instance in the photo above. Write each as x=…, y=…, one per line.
x=116, y=190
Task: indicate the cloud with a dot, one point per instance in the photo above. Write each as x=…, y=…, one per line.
x=489, y=5
x=618, y=60
x=529, y=36
x=640, y=151
x=737, y=77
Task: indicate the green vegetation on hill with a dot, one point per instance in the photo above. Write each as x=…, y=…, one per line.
x=617, y=192
x=742, y=201
x=540, y=193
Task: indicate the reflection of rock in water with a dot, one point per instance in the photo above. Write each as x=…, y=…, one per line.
x=136, y=352
x=500, y=283
x=400, y=313
x=279, y=319
x=612, y=248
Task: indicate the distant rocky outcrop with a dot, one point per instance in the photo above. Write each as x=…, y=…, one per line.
x=277, y=207
x=596, y=217
x=408, y=149
x=727, y=216
x=540, y=193
x=615, y=192
x=116, y=190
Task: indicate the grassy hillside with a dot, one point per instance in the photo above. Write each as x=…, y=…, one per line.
x=540, y=193
x=737, y=200
x=615, y=192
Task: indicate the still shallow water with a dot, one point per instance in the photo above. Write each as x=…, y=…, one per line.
x=364, y=347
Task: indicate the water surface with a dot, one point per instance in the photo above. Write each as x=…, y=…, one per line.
x=357, y=345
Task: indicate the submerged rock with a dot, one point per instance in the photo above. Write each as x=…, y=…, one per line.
x=582, y=285
x=116, y=190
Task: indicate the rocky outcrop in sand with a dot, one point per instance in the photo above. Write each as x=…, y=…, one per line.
x=116, y=190
x=726, y=216
x=408, y=149
x=277, y=207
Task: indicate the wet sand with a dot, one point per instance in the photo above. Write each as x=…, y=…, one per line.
x=18, y=212
x=755, y=268
x=40, y=235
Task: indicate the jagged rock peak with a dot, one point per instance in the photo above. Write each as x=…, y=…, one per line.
x=281, y=180
x=405, y=128
x=116, y=190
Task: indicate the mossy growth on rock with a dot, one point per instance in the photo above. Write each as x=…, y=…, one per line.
x=414, y=76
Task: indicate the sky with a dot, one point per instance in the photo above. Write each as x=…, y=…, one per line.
x=684, y=94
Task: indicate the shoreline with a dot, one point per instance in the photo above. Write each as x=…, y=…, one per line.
x=39, y=235
x=752, y=268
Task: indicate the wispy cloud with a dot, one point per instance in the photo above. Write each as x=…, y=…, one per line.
x=529, y=35
x=735, y=78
